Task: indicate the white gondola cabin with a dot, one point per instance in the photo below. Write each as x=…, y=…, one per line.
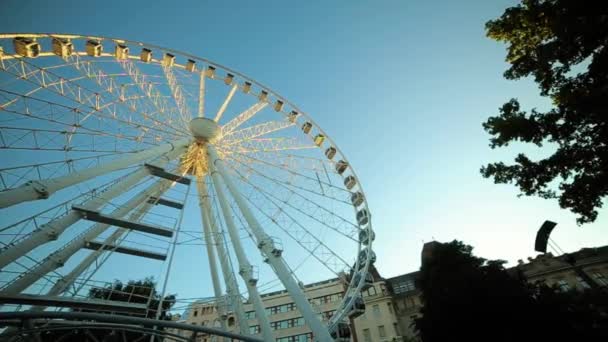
x=121, y=51
x=263, y=96
x=191, y=65
x=228, y=79
x=341, y=166
x=62, y=47
x=330, y=152
x=293, y=116
x=145, y=55
x=357, y=198
x=94, y=48
x=26, y=47
x=278, y=106
x=210, y=71
x=306, y=127
x=319, y=139
x=246, y=87
x=350, y=182
x=358, y=308
x=362, y=217
x=168, y=60
x=365, y=237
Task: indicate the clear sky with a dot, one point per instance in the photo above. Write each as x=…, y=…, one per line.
x=401, y=86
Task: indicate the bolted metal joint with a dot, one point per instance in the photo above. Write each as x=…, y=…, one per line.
x=41, y=189
x=59, y=261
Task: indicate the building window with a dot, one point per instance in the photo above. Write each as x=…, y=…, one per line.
x=371, y=291
x=583, y=283
x=254, y=329
x=296, y=338
x=280, y=308
x=390, y=307
x=563, y=285
x=396, y=327
x=376, y=309
x=383, y=289
x=367, y=335
x=600, y=278
x=250, y=314
x=230, y=321
x=287, y=323
x=404, y=286
x=195, y=313
x=381, y=331
x=326, y=316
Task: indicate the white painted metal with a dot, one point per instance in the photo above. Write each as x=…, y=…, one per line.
x=204, y=129
x=269, y=251
x=217, y=289
x=222, y=109
x=34, y=190
x=245, y=268
x=232, y=288
x=201, y=95
x=60, y=256
x=51, y=230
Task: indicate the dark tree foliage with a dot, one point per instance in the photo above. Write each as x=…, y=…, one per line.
x=468, y=298
x=562, y=45
x=134, y=291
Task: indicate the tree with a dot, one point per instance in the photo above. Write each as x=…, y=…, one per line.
x=468, y=298
x=134, y=291
x=562, y=44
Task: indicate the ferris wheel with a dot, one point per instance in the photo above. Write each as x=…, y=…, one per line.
x=102, y=139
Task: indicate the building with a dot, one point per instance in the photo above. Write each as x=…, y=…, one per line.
x=380, y=321
x=393, y=304
x=583, y=269
x=285, y=320
x=406, y=302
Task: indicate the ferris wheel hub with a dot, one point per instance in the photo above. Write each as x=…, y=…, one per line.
x=205, y=129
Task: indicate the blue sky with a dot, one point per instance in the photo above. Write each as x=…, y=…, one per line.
x=401, y=86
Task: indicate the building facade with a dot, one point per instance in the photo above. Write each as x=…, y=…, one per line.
x=393, y=304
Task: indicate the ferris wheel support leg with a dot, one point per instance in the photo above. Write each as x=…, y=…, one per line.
x=34, y=190
x=232, y=288
x=51, y=230
x=245, y=268
x=212, y=263
x=269, y=250
x=60, y=256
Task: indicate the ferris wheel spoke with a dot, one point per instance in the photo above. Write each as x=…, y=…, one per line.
x=268, y=145
x=255, y=131
x=153, y=94
x=13, y=176
x=287, y=158
x=72, y=118
x=81, y=95
x=17, y=66
x=132, y=103
x=288, y=166
x=201, y=95
x=45, y=188
x=243, y=117
x=178, y=96
x=20, y=138
x=296, y=231
x=308, y=207
x=227, y=100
